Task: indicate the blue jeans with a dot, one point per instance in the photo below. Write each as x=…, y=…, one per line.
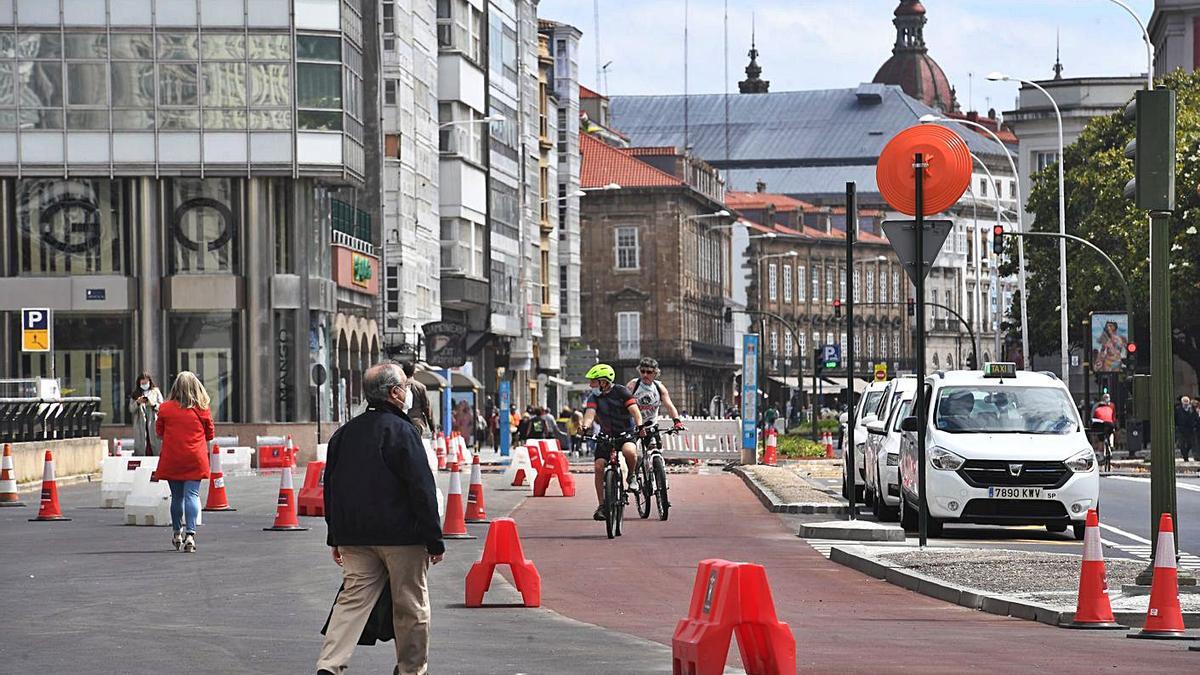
x=185, y=498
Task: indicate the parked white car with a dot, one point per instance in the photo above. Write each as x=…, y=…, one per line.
x=1002, y=447
x=864, y=413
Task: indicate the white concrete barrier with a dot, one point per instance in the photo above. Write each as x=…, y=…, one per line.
x=116, y=478
x=705, y=439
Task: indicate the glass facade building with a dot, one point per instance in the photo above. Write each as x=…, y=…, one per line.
x=170, y=171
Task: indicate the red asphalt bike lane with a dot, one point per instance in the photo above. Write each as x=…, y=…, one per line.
x=844, y=621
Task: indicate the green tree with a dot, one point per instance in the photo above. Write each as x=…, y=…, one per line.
x=1095, y=175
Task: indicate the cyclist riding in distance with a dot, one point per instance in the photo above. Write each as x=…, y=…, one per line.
x=615, y=410
x=651, y=394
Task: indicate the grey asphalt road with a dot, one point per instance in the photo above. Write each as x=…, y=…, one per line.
x=1125, y=524
x=95, y=596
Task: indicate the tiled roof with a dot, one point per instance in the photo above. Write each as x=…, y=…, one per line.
x=604, y=164
x=759, y=200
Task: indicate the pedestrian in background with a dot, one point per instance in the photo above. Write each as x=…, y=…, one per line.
x=382, y=516
x=143, y=403
x=416, y=400
x=185, y=426
x=1185, y=425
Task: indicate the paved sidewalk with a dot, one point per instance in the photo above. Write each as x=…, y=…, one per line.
x=95, y=596
x=844, y=621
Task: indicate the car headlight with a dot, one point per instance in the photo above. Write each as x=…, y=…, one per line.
x=893, y=459
x=1082, y=462
x=944, y=460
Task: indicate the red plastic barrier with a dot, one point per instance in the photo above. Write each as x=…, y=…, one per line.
x=276, y=457
x=727, y=597
x=554, y=464
x=312, y=496
x=503, y=547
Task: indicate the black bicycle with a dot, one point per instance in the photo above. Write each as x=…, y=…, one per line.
x=615, y=498
x=652, y=471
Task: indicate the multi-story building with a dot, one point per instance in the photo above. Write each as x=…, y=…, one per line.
x=658, y=280
x=183, y=188
x=405, y=94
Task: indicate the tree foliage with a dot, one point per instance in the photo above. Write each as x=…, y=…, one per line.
x=1096, y=172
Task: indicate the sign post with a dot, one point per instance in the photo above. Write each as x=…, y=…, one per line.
x=502, y=418
x=922, y=171
x=750, y=398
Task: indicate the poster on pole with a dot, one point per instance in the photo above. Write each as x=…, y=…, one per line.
x=750, y=391
x=1110, y=338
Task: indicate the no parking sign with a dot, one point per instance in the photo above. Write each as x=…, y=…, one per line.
x=35, y=329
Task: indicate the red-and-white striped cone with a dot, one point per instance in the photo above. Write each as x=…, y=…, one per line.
x=1093, y=609
x=476, y=513
x=49, y=510
x=285, y=514
x=454, y=526
x=439, y=446
x=218, y=500
x=1164, y=616
x=8, y=484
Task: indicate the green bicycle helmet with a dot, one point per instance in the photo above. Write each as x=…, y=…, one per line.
x=601, y=371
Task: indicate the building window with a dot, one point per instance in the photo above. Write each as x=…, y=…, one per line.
x=627, y=248
x=787, y=283
x=772, y=280
x=801, y=282
x=629, y=335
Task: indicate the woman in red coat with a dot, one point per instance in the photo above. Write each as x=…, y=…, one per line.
x=185, y=426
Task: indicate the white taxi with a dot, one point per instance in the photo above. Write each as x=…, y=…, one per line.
x=1002, y=447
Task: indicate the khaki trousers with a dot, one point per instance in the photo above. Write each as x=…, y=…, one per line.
x=365, y=570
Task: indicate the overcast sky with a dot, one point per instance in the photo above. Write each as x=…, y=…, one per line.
x=826, y=44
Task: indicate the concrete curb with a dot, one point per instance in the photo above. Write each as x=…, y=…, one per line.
x=775, y=506
x=993, y=603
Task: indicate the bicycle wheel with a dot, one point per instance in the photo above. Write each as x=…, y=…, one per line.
x=660, y=487
x=645, y=490
x=612, y=502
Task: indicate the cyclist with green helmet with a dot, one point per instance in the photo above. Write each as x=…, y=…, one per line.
x=613, y=407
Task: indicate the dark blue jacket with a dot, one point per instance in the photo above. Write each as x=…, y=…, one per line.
x=379, y=490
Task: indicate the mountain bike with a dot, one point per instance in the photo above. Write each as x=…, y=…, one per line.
x=652, y=471
x=615, y=498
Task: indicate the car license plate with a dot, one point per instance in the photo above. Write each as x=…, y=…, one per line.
x=1015, y=493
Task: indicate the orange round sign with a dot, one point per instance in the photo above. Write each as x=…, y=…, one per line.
x=946, y=177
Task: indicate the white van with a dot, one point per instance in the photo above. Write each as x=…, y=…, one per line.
x=1002, y=447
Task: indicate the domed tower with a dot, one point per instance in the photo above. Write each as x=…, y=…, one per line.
x=911, y=67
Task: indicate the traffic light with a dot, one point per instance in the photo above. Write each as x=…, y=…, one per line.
x=998, y=239
x=837, y=309
x=912, y=307
x=1152, y=150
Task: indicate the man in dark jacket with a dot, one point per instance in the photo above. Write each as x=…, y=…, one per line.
x=382, y=513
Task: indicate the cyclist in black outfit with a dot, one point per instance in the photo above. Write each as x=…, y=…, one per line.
x=613, y=407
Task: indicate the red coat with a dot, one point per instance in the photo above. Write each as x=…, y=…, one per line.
x=185, y=433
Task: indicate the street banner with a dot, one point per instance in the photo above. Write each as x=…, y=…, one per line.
x=750, y=391
x=1110, y=337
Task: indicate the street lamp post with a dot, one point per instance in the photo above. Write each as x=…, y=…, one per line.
x=927, y=119
x=1065, y=361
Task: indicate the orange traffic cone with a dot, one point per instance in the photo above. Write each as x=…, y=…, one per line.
x=475, y=510
x=455, y=525
x=1092, y=609
x=8, y=484
x=769, y=451
x=439, y=446
x=1164, y=617
x=217, y=499
x=285, y=514
x=49, y=509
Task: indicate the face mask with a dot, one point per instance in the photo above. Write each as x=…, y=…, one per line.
x=145, y=386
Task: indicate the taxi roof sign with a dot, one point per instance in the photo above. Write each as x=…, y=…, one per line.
x=1000, y=369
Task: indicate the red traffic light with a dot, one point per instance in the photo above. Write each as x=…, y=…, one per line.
x=1131, y=348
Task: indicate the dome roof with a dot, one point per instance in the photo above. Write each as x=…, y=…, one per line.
x=909, y=7
x=920, y=77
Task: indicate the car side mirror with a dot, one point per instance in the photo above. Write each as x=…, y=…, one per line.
x=910, y=424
